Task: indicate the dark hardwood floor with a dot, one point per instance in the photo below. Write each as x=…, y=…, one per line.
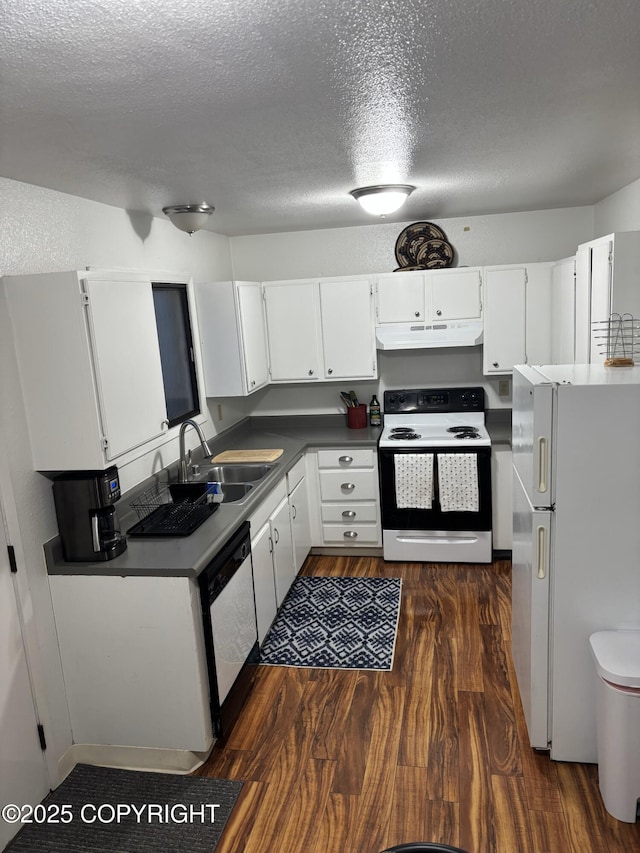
x=435, y=750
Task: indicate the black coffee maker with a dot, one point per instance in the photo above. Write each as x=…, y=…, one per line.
x=87, y=518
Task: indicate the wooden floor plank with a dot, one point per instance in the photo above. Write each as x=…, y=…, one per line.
x=335, y=761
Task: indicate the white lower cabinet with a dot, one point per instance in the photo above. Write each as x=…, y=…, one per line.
x=347, y=510
x=263, y=580
x=274, y=567
x=299, y=510
x=129, y=646
x=284, y=568
x=502, y=489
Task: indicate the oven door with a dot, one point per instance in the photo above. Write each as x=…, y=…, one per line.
x=447, y=530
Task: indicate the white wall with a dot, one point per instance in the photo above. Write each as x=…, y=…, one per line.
x=544, y=235
x=44, y=231
x=618, y=212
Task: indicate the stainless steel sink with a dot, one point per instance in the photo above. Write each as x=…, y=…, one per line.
x=232, y=473
x=197, y=490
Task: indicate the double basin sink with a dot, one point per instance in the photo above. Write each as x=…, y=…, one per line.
x=236, y=481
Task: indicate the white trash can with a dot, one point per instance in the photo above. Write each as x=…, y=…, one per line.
x=617, y=658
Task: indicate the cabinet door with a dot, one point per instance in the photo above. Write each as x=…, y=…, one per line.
x=454, y=294
x=563, y=312
x=504, y=319
x=582, y=344
x=300, y=527
x=263, y=580
x=293, y=331
x=600, y=298
x=128, y=375
x=400, y=297
x=254, y=335
x=348, y=332
x=284, y=566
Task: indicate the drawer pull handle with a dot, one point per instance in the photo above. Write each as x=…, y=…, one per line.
x=348, y=513
x=350, y=534
x=348, y=487
x=346, y=459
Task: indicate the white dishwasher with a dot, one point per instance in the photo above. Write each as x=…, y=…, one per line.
x=230, y=629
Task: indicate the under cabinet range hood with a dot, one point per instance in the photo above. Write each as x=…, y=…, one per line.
x=463, y=333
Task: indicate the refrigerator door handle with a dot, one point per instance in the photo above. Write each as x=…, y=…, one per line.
x=543, y=464
x=542, y=552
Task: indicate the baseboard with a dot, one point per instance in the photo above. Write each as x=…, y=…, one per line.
x=363, y=551
x=179, y=761
x=502, y=555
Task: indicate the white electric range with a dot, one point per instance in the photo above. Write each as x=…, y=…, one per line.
x=434, y=456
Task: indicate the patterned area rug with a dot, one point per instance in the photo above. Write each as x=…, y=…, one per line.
x=336, y=623
x=108, y=810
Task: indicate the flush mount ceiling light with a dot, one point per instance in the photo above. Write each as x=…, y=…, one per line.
x=189, y=217
x=381, y=199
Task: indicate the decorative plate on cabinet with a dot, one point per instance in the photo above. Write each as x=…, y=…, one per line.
x=411, y=239
x=434, y=254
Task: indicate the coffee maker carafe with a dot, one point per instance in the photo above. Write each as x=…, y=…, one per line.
x=87, y=518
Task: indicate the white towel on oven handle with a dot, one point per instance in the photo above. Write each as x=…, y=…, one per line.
x=458, y=482
x=413, y=480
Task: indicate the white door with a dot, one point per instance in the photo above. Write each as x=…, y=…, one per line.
x=400, y=298
x=504, y=319
x=600, y=298
x=530, y=611
x=284, y=566
x=293, y=330
x=127, y=362
x=455, y=294
x=348, y=332
x=263, y=580
x=254, y=335
x=300, y=526
x=23, y=774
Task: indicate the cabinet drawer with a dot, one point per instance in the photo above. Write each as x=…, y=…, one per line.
x=348, y=485
x=357, y=457
x=349, y=514
x=354, y=534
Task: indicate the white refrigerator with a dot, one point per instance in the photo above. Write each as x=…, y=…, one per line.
x=576, y=540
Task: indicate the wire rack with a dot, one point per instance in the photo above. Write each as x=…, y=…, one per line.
x=151, y=499
x=161, y=516
x=618, y=339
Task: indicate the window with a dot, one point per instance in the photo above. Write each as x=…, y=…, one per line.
x=176, y=351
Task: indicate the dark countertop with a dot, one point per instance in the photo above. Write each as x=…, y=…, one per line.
x=188, y=556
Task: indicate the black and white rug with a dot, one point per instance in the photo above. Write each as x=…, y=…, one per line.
x=108, y=810
x=336, y=623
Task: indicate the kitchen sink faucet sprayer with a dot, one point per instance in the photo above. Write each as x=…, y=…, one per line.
x=183, y=459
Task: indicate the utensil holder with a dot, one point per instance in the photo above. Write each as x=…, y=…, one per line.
x=357, y=416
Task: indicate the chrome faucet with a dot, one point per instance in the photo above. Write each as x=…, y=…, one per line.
x=183, y=458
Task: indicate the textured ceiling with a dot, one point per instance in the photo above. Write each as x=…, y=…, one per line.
x=273, y=111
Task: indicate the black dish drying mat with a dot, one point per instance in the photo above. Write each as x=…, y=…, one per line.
x=98, y=790
x=179, y=519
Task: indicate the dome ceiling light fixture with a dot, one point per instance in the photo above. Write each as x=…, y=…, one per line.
x=189, y=217
x=381, y=199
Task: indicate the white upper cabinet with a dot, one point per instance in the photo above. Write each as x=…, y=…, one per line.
x=436, y=296
x=348, y=334
x=320, y=330
x=505, y=299
x=293, y=330
x=563, y=310
x=607, y=276
x=233, y=337
x=400, y=297
x=516, y=316
x=454, y=294
x=89, y=362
